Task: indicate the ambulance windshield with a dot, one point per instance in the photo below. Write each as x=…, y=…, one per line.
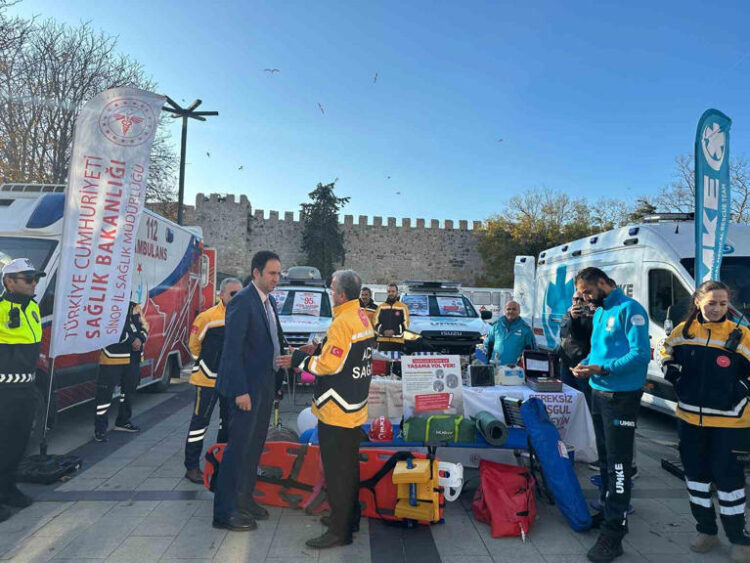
x=36, y=250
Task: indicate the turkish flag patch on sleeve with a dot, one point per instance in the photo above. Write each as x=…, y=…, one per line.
x=336, y=351
x=194, y=329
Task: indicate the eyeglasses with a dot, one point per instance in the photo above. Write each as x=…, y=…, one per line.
x=28, y=278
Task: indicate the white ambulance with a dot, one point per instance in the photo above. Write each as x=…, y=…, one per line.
x=653, y=262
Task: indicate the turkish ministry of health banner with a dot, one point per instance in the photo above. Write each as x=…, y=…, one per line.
x=712, y=193
x=103, y=205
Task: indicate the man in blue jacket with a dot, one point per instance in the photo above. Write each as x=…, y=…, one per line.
x=617, y=366
x=509, y=337
x=247, y=379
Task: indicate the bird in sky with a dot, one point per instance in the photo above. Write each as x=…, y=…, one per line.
x=241, y=167
x=374, y=80
x=321, y=109
x=499, y=140
x=271, y=70
x=208, y=154
x=388, y=177
x=398, y=193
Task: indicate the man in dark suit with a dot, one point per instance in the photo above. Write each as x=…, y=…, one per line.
x=247, y=378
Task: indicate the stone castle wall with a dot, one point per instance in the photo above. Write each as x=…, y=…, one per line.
x=380, y=251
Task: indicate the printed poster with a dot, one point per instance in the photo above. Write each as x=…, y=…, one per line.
x=307, y=303
x=432, y=385
x=451, y=306
x=419, y=305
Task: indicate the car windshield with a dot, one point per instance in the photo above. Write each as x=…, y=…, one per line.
x=36, y=250
x=735, y=272
x=439, y=306
x=302, y=302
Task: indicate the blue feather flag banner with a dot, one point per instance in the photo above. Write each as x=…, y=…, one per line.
x=712, y=193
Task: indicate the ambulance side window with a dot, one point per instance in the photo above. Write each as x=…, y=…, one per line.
x=665, y=290
x=45, y=305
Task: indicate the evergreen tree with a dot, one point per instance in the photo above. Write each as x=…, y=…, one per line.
x=322, y=239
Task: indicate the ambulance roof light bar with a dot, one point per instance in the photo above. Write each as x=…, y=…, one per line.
x=668, y=217
x=18, y=187
x=434, y=286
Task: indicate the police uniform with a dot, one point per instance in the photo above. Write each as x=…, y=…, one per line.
x=119, y=363
x=342, y=366
x=711, y=383
x=206, y=342
x=20, y=340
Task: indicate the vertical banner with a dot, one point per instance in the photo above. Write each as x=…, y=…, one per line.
x=103, y=205
x=712, y=193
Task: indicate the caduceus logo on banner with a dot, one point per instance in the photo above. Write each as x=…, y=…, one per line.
x=103, y=206
x=712, y=193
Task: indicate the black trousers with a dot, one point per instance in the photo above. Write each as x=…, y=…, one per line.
x=615, y=416
x=339, y=450
x=108, y=377
x=707, y=457
x=205, y=401
x=17, y=410
x=239, y=466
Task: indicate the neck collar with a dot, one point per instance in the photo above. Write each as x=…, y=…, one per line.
x=17, y=298
x=349, y=305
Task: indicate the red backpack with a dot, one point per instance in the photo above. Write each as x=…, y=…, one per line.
x=505, y=499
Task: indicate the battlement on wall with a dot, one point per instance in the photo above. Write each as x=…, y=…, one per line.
x=214, y=199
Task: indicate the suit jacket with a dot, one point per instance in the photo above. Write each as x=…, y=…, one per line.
x=247, y=357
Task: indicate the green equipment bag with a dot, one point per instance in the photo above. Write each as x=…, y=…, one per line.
x=439, y=428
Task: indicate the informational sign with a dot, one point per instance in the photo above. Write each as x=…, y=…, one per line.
x=307, y=303
x=419, y=305
x=432, y=385
x=451, y=306
x=280, y=296
x=104, y=201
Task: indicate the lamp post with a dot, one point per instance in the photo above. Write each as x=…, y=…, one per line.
x=189, y=112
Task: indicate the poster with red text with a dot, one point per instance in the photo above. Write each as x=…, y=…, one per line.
x=103, y=206
x=431, y=385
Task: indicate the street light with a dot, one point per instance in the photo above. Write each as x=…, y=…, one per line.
x=184, y=113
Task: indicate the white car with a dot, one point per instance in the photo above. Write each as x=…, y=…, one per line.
x=442, y=319
x=304, y=306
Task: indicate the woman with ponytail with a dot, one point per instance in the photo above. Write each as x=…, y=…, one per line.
x=707, y=359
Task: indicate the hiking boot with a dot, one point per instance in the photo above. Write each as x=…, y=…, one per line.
x=16, y=498
x=326, y=521
x=127, y=427
x=703, y=543
x=327, y=540
x=605, y=550
x=100, y=436
x=740, y=553
x=194, y=475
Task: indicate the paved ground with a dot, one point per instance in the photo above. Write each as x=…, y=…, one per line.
x=130, y=503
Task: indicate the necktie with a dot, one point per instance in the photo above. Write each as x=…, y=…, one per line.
x=274, y=332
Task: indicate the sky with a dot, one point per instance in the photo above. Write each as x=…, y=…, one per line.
x=474, y=102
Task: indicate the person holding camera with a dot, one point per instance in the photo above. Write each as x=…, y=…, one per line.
x=575, y=342
x=20, y=340
x=707, y=360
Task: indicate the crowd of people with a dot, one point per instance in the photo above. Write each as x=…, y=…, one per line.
x=240, y=355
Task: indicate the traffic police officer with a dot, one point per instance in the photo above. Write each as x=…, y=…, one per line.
x=206, y=343
x=120, y=363
x=20, y=340
x=342, y=365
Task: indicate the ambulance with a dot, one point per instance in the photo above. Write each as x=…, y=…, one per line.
x=652, y=262
x=174, y=280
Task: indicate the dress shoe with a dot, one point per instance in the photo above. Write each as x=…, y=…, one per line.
x=194, y=475
x=327, y=540
x=326, y=521
x=253, y=512
x=16, y=498
x=235, y=524
x=5, y=513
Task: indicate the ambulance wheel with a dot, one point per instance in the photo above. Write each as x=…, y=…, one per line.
x=171, y=370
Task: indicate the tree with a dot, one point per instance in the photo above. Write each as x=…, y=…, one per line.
x=608, y=213
x=322, y=239
x=643, y=208
x=530, y=223
x=47, y=72
x=679, y=196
